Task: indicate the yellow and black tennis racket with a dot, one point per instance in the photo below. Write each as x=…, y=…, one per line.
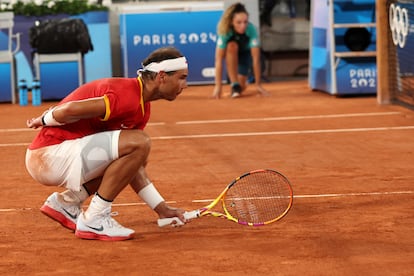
x=255, y=198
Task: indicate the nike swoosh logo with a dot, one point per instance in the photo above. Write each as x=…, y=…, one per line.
x=69, y=214
x=100, y=229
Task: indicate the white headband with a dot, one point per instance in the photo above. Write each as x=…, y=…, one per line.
x=167, y=65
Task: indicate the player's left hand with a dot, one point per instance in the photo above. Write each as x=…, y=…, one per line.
x=216, y=92
x=36, y=122
x=262, y=92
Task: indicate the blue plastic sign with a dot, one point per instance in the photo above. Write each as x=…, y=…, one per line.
x=192, y=32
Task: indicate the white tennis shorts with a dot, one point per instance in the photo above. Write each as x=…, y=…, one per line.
x=73, y=162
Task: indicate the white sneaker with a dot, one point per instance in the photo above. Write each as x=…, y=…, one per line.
x=235, y=95
x=102, y=227
x=65, y=213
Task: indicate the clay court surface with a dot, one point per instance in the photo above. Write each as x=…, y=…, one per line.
x=350, y=162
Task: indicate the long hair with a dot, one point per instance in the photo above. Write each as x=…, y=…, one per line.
x=225, y=23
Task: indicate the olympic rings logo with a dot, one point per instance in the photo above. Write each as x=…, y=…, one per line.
x=399, y=24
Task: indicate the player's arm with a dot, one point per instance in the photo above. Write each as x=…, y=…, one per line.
x=70, y=112
x=146, y=190
x=255, y=52
x=219, y=56
x=76, y=110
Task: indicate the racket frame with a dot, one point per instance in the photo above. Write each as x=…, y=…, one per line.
x=206, y=211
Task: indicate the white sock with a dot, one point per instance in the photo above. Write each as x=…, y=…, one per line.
x=77, y=197
x=96, y=206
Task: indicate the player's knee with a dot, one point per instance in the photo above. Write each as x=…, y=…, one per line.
x=142, y=141
x=134, y=141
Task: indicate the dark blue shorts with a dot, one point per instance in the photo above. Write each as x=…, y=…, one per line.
x=245, y=63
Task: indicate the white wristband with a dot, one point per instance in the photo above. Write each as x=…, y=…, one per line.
x=150, y=196
x=49, y=120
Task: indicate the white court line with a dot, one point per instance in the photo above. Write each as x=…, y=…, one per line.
x=287, y=118
x=210, y=200
x=2, y=130
x=14, y=209
x=17, y=129
x=247, y=120
x=14, y=145
x=156, y=124
x=241, y=134
x=331, y=195
x=355, y=194
x=288, y=132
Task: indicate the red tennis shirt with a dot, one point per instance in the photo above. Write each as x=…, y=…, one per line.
x=125, y=109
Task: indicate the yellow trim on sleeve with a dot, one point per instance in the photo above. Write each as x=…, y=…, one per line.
x=142, y=96
x=107, y=108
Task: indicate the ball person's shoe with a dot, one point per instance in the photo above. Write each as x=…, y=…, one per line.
x=102, y=227
x=235, y=91
x=65, y=213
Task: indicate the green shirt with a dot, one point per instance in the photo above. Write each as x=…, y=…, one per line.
x=245, y=41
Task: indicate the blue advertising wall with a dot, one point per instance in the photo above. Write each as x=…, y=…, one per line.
x=96, y=64
x=193, y=32
x=345, y=75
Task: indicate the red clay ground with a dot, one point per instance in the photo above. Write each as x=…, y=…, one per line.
x=350, y=162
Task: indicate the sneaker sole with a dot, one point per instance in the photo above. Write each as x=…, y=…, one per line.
x=93, y=236
x=55, y=215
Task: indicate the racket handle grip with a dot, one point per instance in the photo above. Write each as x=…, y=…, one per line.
x=175, y=221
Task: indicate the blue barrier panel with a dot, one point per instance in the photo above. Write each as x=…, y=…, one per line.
x=356, y=76
x=5, y=81
x=97, y=63
x=192, y=32
x=59, y=74
x=343, y=47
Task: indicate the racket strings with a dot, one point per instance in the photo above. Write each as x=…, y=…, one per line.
x=259, y=197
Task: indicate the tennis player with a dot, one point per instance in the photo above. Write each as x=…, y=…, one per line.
x=238, y=45
x=93, y=143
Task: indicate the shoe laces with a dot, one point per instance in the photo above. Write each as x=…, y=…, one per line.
x=111, y=222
